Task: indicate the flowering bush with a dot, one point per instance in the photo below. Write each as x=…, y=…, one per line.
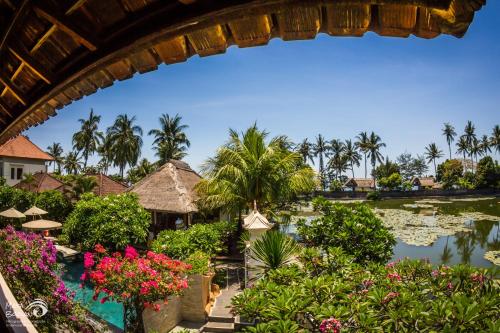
x=28, y=264
x=403, y=296
x=113, y=221
x=133, y=280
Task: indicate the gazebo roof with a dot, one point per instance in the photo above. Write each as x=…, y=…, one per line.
x=35, y=211
x=42, y=225
x=256, y=221
x=55, y=52
x=12, y=213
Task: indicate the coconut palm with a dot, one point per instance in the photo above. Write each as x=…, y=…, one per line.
x=485, y=145
x=248, y=170
x=449, y=133
x=306, y=150
x=321, y=150
x=83, y=184
x=462, y=147
x=475, y=149
x=432, y=152
x=351, y=154
x=337, y=161
x=374, y=145
x=88, y=139
x=170, y=140
x=143, y=168
x=495, y=138
x=363, y=144
x=106, y=154
x=56, y=151
x=126, y=142
x=274, y=250
x=72, y=163
x=470, y=136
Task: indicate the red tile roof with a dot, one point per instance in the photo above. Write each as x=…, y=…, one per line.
x=21, y=146
x=106, y=185
x=43, y=182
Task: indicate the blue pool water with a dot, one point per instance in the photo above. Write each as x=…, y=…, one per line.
x=111, y=312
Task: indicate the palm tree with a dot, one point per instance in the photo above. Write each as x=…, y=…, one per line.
x=87, y=140
x=321, y=150
x=475, y=149
x=274, y=250
x=248, y=170
x=432, y=152
x=470, y=136
x=28, y=179
x=449, y=133
x=363, y=144
x=83, y=184
x=72, y=163
x=170, y=140
x=126, y=142
x=463, y=147
x=495, y=138
x=352, y=155
x=485, y=145
x=143, y=168
x=56, y=151
x=105, y=152
x=374, y=145
x=305, y=149
x=337, y=161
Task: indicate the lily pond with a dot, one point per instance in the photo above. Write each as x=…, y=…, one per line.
x=445, y=230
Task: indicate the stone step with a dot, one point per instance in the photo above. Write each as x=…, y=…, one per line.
x=221, y=319
x=218, y=327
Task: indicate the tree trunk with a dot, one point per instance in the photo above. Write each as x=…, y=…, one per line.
x=449, y=147
x=366, y=167
x=435, y=170
x=132, y=317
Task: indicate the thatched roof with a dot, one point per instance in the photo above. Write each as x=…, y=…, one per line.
x=42, y=181
x=55, y=52
x=169, y=189
x=423, y=181
x=360, y=182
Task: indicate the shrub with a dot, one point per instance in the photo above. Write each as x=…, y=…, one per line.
x=28, y=264
x=113, y=221
x=373, y=195
x=200, y=263
x=392, y=182
x=207, y=238
x=405, y=296
x=55, y=203
x=449, y=173
x=487, y=173
x=13, y=197
x=353, y=228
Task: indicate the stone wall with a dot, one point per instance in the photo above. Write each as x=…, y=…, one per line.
x=407, y=194
x=164, y=320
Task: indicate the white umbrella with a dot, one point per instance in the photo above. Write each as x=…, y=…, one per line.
x=42, y=225
x=35, y=211
x=12, y=213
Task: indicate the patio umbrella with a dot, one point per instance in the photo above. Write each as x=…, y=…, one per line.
x=12, y=213
x=35, y=211
x=42, y=225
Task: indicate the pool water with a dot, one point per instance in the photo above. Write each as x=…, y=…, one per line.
x=111, y=312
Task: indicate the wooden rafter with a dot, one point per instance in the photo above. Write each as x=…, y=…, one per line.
x=32, y=63
x=5, y=109
x=67, y=26
x=16, y=20
x=18, y=94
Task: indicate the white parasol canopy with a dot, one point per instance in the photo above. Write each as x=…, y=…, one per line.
x=35, y=211
x=12, y=213
x=42, y=225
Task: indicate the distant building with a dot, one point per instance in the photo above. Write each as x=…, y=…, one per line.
x=169, y=194
x=42, y=181
x=424, y=183
x=106, y=185
x=20, y=156
x=360, y=184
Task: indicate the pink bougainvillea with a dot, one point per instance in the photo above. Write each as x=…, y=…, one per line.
x=330, y=325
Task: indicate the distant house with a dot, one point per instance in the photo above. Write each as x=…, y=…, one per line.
x=424, y=183
x=360, y=184
x=20, y=156
x=169, y=194
x=42, y=181
x=106, y=185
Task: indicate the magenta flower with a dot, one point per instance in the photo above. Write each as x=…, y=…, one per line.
x=330, y=325
x=88, y=260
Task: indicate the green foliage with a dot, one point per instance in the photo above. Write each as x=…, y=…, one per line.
x=336, y=185
x=207, y=238
x=55, y=203
x=200, y=263
x=405, y=296
x=353, y=228
x=449, y=172
x=17, y=198
x=113, y=221
x=487, y=173
x=373, y=195
x=392, y=182
x=274, y=250
x=386, y=169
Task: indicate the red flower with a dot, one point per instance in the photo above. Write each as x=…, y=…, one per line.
x=99, y=248
x=131, y=253
x=88, y=260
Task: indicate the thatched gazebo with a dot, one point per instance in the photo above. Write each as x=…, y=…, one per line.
x=168, y=193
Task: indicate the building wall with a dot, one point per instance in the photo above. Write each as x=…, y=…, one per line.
x=27, y=165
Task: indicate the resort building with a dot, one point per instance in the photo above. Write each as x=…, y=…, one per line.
x=106, y=185
x=20, y=156
x=169, y=194
x=360, y=184
x=42, y=181
x=424, y=183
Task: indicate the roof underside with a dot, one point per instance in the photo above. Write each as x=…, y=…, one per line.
x=54, y=52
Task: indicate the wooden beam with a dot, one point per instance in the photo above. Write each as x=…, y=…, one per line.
x=18, y=94
x=5, y=109
x=75, y=6
x=67, y=26
x=16, y=19
x=32, y=63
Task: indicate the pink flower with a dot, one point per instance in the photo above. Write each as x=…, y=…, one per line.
x=449, y=286
x=389, y=297
x=131, y=253
x=330, y=325
x=394, y=276
x=156, y=307
x=88, y=260
x=390, y=265
x=478, y=278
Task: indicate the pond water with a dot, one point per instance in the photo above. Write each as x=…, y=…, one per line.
x=475, y=233
x=111, y=312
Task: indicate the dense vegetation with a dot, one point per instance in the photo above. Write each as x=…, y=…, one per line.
x=114, y=221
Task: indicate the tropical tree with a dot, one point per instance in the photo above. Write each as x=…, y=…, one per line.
x=352, y=155
x=462, y=146
x=28, y=179
x=449, y=133
x=106, y=154
x=337, y=161
x=170, y=140
x=88, y=139
x=140, y=171
x=363, y=144
x=321, y=150
x=432, y=152
x=306, y=150
x=249, y=170
x=72, y=163
x=485, y=145
x=470, y=137
x=274, y=250
x=495, y=138
x=475, y=149
x=126, y=142
x=83, y=184
x=374, y=145
x=56, y=151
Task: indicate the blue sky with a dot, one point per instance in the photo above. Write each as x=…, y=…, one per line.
x=403, y=89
